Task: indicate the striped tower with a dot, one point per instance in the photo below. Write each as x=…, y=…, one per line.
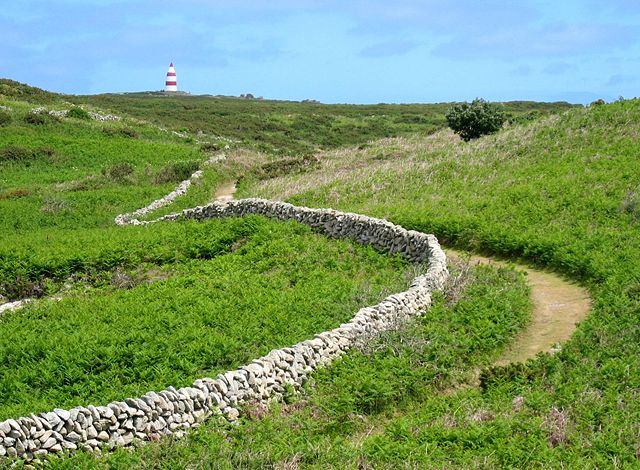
x=171, y=84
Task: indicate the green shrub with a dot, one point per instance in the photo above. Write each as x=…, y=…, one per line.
x=118, y=172
x=475, y=119
x=78, y=113
x=287, y=166
x=40, y=119
x=211, y=147
x=16, y=153
x=176, y=171
x=5, y=118
x=121, y=132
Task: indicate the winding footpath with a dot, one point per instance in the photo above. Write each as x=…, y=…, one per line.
x=558, y=306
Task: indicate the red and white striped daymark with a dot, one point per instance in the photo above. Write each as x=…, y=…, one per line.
x=171, y=83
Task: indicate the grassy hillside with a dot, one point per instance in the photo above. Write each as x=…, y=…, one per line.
x=144, y=308
x=343, y=419
x=561, y=192
x=21, y=91
x=292, y=128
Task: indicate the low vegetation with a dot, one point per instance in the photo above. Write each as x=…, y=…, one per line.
x=558, y=190
x=355, y=413
x=290, y=128
x=237, y=289
x=175, y=172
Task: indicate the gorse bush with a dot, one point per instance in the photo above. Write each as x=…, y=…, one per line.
x=475, y=119
x=176, y=172
x=5, y=118
x=121, y=132
x=16, y=153
x=119, y=172
x=40, y=119
x=78, y=113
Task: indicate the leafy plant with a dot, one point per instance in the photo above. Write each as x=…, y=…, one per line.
x=475, y=119
x=176, y=172
x=119, y=172
x=5, y=118
x=78, y=113
x=121, y=132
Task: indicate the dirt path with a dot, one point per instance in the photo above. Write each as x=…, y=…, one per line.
x=225, y=192
x=558, y=304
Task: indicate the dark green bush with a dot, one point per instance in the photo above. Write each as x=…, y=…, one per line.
x=40, y=119
x=118, y=172
x=121, y=132
x=210, y=147
x=287, y=166
x=5, y=118
x=176, y=171
x=16, y=153
x=475, y=119
x=78, y=113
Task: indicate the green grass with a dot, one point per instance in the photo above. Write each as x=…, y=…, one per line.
x=147, y=307
x=560, y=192
x=556, y=193
x=226, y=292
x=356, y=411
x=67, y=183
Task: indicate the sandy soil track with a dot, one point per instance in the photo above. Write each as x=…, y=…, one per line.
x=558, y=305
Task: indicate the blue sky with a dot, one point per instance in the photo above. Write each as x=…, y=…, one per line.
x=332, y=50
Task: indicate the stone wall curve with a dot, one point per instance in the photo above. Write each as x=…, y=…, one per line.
x=173, y=411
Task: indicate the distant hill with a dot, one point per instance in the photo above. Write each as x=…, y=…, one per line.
x=276, y=127
x=291, y=127
x=21, y=91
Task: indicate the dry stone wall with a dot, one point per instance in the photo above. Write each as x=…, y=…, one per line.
x=173, y=411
